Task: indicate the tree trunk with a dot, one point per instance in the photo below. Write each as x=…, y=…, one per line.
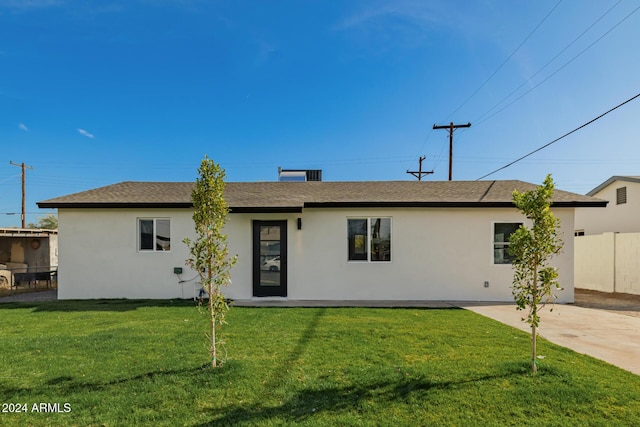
x=213, y=329
x=534, y=366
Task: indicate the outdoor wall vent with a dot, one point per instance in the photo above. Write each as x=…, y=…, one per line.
x=486, y=283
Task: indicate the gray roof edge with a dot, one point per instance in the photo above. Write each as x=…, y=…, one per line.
x=611, y=181
x=95, y=205
x=596, y=203
x=319, y=205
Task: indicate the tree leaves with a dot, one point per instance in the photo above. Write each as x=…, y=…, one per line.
x=534, y=281
x=209, y=251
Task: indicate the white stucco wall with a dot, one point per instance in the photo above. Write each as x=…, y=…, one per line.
x=437, y=254
x=627, y=270
x=608, y=262
x=98, y=256
x=594, y=262
x=624, y=218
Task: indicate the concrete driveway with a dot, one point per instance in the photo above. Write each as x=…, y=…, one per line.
x=612, y=337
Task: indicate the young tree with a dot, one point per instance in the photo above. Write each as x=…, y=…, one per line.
x=209, y=252
x=534, y=281
x=48, y=222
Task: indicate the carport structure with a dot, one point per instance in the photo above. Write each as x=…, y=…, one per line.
x=27, y=255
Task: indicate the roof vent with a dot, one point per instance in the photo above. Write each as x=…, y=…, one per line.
x=300, y=175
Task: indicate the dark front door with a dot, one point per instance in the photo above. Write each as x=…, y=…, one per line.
x=269, y=258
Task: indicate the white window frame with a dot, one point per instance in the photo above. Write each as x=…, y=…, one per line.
x=368, y=242
x=155, y=234
x=493, y=242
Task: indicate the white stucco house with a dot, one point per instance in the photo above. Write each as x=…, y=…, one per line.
x=340, y=241
x=607, y=245
x=622, y=214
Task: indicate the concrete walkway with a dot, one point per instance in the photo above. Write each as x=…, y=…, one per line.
x=612, y=337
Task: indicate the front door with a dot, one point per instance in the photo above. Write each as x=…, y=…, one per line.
x=269, y=258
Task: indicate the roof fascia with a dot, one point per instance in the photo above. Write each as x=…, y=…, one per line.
x=94, y=205
x=178, y=205
x=574, y=204
x=611, y=181
x=318, y=205
x=266, y=209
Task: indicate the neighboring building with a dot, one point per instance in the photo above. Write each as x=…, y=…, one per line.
x=30, y=253
x=606, y=258
x=622, y=214
x=341, y=241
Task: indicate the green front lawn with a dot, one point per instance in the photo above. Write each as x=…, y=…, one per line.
x=118, y=363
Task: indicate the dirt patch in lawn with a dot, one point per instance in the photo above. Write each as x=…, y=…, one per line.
x=627, y=304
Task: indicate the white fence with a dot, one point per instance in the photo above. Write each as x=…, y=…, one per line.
x=608, y=262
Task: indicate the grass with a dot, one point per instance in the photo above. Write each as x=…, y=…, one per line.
x=145, y=363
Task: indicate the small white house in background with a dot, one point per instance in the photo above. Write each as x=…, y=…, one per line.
x=622, y=214
x=608, y=240
x=340, y=241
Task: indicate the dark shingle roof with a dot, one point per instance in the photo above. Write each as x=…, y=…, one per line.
x=294, y=196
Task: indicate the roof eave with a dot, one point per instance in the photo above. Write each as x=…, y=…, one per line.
x=561, y=204
x=164, y=205
x=611, y=181
x=111, y=205
x=266, y=209
x=318, y=205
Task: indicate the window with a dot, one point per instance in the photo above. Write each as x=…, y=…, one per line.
x=621, y=195
x=369, y=239
x=154, y=234
x=501, y=233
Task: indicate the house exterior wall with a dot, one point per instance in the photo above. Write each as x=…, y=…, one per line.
x=608, y=262
x=436, y=254
x=98, y=256
x=624, y=218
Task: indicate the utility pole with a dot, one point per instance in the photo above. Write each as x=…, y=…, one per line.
x=24, y=190
x=451, y=127
x=418, y=174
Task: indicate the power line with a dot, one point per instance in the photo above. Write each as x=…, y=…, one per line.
x=563, y=136
x=480, y=120
x=436, y=162
x=418, y=174
x=24, y=168
x=549, y=62
x=552, y=74
x=451, y=127
x=506, y=60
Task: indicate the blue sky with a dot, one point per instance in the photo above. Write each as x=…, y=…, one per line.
x=94, y=93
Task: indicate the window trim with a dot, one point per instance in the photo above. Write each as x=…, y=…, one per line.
x=493, y=242
x=155, y=234
x=369, y=239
